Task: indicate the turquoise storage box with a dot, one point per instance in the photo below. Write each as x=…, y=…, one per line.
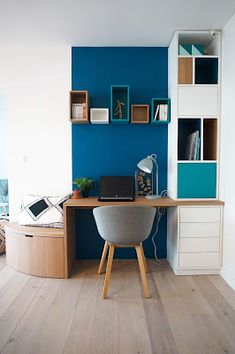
x=119, y=104
x=197, y=180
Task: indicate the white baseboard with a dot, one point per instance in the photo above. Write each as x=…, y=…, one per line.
x=228, y=276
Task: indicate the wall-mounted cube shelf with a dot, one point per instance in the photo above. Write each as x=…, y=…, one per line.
x=99, y=115
x=140, y=113
x=119, y=104
x=79, y=107
x=160, y=111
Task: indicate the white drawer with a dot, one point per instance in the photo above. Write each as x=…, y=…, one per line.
x=199, y=214
x=209, y=244
x=199, y=260
x=198, y=100
x=197, y=229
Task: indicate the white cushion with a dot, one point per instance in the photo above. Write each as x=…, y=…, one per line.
x=37, y=210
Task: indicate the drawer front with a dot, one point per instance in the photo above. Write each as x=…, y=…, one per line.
x=209, y=244
x=200, y=214
x=199, y=260
x=42, y=256
x=197, y=229
x=198, y=101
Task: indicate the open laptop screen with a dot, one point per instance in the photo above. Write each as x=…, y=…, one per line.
x=116, y=187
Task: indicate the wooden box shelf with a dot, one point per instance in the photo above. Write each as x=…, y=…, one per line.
x=79, y=107
x=119, y=104
x=140, y=113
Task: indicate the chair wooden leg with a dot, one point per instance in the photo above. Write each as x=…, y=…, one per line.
x=144, y=259
x=104, y=253
x=108, y=271
x=142, y=270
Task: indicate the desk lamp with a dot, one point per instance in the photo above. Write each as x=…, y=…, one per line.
x=146, y=165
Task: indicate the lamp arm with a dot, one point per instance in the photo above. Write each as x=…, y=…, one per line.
x=154, y=159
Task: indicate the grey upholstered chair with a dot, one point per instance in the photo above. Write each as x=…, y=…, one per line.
x=124, y=226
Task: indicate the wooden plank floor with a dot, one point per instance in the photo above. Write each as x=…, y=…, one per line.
x=185, y=315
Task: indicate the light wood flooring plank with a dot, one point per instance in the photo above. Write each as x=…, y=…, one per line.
x=80, y=332
x=23, y=338
x=191, y=295
x=176, y=311
x=224, y=288
x=6, y=274
x=51, y=337
x=2, y=261
x=13, y=314
x=210, y=336
x=222, y=309
x=105, y=328
x=132, y=326
x=11, y=289
x=162, y=339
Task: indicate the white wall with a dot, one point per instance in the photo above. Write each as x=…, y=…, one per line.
x=227, y=176
x=36, y=82
x=3, y=138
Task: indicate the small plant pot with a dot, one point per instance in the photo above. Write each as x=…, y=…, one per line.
x=85, y=193
x=76, y=194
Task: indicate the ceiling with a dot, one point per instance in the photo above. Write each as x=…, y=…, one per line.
x=108, y=22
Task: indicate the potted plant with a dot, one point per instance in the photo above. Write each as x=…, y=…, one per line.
x=85, y=184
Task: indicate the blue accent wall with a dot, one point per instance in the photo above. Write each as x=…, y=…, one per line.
x=116, y=149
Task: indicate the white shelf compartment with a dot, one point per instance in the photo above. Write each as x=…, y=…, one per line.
x=209, y=39
x=99, y=115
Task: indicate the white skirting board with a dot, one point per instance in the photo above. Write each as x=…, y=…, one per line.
x=228, y=276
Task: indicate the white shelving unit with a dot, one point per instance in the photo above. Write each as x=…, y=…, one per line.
x=194, y=240
x=197, y=102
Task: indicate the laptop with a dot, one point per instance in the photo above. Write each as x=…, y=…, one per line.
x=116, y=188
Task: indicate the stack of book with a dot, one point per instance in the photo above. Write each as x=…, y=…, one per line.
x=78, y=110
x=192, y=150
x=161, y=112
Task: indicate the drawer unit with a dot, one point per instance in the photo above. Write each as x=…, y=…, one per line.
x=196, y=229
x=199, y=214
x=207, y=244
x=196, y=247
x=29, y=252
x=199, y=260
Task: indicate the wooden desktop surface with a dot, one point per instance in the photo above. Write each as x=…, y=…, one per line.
x=92, y=202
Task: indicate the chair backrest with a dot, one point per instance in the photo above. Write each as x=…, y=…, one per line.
x=124, y=224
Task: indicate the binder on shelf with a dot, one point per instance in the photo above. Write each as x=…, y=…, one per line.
x=192, y=146
x=156, y=112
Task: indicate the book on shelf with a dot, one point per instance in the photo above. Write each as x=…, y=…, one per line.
x=156, y=113
x=192, y=148
x=198, y=149
x=78, y=110
x=161, y=112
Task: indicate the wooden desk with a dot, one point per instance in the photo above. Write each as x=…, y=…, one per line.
x=71, y=205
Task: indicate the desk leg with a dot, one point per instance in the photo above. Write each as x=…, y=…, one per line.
x=69, y=238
